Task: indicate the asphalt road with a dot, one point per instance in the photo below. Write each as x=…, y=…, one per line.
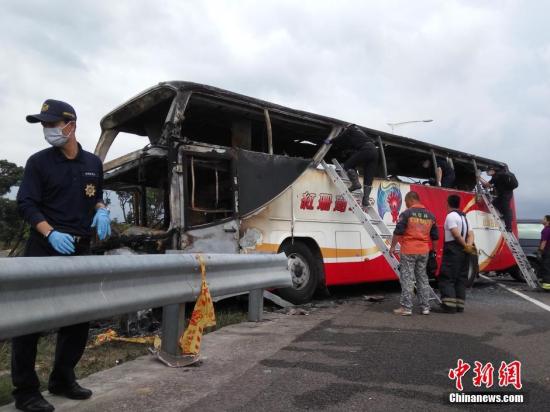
x=365, y=358
x=349, y=354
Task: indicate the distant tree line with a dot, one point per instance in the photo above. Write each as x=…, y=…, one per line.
x=12, y=227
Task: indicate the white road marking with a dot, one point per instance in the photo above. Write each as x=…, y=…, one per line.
x=522, y=295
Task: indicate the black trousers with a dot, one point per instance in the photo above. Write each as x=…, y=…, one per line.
x=453, y=276
x=71, y=340
x=448, y=180
x=545, y=267
x=367, y=158
x=502, y=203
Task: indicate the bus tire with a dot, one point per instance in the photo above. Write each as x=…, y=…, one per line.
x=516, y=273
x=473, y=270
x=305, y=268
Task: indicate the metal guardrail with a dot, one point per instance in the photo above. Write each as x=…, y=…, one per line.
x=42, y=293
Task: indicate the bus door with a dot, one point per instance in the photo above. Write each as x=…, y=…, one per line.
x=210, y=219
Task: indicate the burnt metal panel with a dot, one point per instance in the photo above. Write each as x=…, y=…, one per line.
x=126, y=112
x=123, y=117
x=263, y=176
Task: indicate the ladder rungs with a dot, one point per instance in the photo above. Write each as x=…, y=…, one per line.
x=512, y=242
x=369, y=218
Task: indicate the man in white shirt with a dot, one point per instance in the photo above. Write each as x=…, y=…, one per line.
x=459, y=242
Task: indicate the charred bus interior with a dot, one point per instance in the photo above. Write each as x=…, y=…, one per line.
x=210, y=190
x=404, y=162
x=141, y=189
x=233, y=125
x=214, y=156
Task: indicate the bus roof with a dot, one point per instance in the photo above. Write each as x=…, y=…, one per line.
x=120, y=118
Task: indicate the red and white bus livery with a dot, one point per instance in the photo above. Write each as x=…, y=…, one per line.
x=234, y=174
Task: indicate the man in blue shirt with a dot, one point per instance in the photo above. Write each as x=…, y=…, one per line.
x=61, y=197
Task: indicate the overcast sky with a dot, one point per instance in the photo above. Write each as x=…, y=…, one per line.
x=479, y=69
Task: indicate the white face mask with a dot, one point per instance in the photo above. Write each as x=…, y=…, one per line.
x=55, y=136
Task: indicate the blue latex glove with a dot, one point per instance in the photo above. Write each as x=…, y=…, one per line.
x=102, y=222
x=61, y=242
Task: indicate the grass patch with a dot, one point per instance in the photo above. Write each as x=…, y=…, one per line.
x=97, y=358
x=94, y=360
x=5, y=390
x=228, y=317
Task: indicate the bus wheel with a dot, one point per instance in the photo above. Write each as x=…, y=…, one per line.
x=473, y=270
x=305, y=270
x=516, y=273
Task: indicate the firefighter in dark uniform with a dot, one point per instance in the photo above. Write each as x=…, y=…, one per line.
x=459, y=244
x=504, y=182
x=444, y=173
x=362, y=152
x=61, y=197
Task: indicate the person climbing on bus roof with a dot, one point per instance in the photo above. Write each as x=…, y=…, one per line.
x=362, y=152
x=444, y=175
x=504, y=182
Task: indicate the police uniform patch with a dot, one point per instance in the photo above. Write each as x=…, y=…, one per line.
x=45, y=107
x=90, y=190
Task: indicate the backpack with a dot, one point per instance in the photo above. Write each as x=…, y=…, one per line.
x=509, y=181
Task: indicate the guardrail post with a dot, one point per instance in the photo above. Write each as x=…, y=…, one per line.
x=173, y=318
x=255, y=305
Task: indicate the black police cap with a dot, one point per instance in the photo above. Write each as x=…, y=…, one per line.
x=53, y=111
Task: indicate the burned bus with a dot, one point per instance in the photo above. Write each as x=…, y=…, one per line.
x=234, y=174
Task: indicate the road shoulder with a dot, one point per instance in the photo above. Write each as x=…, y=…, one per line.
x=146, y=384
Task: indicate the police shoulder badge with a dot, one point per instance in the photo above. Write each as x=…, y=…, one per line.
x=90, y=190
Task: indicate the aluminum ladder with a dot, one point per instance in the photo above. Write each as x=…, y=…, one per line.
x=368, y=217
x=525, y=267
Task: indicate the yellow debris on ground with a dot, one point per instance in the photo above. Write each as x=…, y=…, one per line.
x=110, y=335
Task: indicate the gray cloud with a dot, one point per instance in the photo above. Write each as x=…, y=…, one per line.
x=480, y=71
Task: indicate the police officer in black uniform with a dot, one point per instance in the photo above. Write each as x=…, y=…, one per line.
x=61, y=197
x=362, y=152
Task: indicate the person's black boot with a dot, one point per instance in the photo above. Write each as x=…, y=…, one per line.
x=354, y=179
x=366, y=195
x=34, y=403
x=445, y=309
